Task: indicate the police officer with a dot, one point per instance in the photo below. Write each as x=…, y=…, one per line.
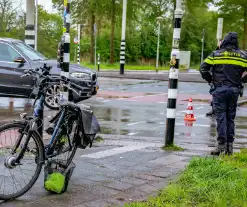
x=228, y=65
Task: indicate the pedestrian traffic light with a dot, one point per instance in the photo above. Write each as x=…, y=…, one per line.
x=60, y=54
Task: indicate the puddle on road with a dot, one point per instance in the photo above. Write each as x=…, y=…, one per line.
x=139, y=121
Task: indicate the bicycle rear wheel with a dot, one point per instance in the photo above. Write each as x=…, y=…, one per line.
x=17, y=178
x=66, y=145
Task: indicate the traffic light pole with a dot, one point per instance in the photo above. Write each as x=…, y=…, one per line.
x=173, y=77
x=79, y=46
x=29, y=29
x=123, y=43
x=65, y=50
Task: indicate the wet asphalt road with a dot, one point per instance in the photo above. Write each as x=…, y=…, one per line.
x=137, y=108
x=132, y=116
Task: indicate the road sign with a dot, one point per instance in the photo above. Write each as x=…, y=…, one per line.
x=76, y=40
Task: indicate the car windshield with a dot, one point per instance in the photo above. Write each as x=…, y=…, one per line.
x=30, y=52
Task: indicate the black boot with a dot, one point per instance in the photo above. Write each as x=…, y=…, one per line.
x=229, y=148
x=221, y=148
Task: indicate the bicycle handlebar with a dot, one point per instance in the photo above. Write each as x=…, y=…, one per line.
x=45, y=74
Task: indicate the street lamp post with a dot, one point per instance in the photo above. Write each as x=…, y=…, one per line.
x=219, y=30
x=203, y=34
x=95, y=45
x=123, y=44
x=173, y=77
x=36, y=25
x=159, y=19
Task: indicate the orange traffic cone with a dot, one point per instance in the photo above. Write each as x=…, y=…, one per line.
x=189, y=116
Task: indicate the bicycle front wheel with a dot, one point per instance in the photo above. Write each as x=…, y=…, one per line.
x=17, y=178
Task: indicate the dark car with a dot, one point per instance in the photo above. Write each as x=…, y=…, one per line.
x=16, y=56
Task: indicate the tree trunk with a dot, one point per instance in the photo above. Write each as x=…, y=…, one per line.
x=113, y=11
x=92, y=38
x=245, y=29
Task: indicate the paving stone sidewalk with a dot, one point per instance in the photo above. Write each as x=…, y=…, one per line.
x=114, y=172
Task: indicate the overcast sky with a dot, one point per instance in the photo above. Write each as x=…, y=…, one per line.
x=46, y=3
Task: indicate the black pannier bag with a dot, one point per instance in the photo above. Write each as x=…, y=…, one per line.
x=89, y=128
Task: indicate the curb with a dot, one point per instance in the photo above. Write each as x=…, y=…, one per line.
x=183, y=77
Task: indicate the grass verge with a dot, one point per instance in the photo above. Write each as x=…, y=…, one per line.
x=206, y=182
x=172, y=147
x=127, y=67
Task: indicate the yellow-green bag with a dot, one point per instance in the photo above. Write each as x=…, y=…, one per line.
x=55, y=182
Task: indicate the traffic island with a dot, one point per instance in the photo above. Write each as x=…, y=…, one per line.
x=207, y=181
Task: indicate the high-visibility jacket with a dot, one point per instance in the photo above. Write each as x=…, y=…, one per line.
x=227, y=64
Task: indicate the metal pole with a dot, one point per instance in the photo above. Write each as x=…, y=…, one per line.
x=219, y=30
x=36, y=25
x=173, y=77
x=158, y=48
x=202, y=57
x=29, y=29
x=122, y=48
x=75, y=54
x=78, y=46
x=98, y=62
x=64, y=94
x=95, y=45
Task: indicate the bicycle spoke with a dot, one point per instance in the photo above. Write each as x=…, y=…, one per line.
x=23, y=174
x=17, y=176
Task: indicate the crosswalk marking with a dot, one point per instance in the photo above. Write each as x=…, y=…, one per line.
x=114, y=151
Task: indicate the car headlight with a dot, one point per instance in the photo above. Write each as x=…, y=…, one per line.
x=83, y=76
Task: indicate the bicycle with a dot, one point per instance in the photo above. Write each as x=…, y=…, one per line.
x=73, y=127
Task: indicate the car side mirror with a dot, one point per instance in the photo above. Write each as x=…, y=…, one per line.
x=19, y=60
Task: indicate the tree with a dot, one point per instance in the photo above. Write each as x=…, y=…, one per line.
x=113, y=19
x=234, y=13
x=50, y=27
x=9, y=17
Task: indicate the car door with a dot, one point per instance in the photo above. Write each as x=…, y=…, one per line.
x=10, y=72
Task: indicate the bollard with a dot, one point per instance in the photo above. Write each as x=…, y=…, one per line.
x=98, y=62
x=11, y=106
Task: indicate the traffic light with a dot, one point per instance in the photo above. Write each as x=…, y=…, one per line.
x=60, y=53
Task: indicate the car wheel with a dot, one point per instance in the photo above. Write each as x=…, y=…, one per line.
x=52, y=97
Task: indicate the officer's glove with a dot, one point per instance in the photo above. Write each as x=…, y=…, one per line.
x=208, y=79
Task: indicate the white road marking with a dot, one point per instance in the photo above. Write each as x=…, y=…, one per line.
x=200, y=104
x=161, y=102
x=114, y=151
x=201, y=107
x=134, y=123
x=131, y=134
x=196, y=125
